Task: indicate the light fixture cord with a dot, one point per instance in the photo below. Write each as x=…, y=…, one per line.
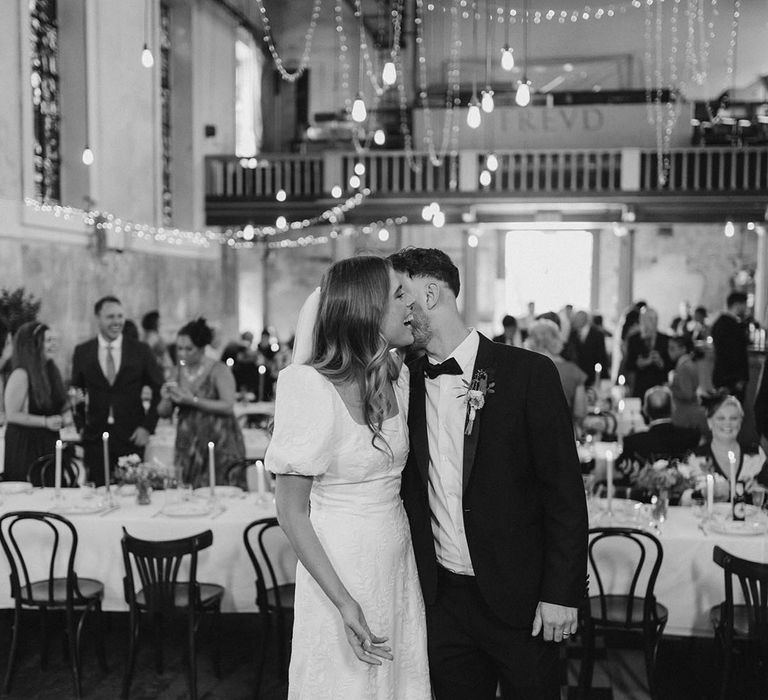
x=85, y=71
x=525, y=41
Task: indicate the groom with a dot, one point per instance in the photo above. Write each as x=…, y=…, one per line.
x=494, y=496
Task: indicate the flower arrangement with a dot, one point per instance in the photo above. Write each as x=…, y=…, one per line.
x=474, y=397
x=671, y=475
x=132, y=470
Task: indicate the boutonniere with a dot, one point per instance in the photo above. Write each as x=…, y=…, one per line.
x=474, y=397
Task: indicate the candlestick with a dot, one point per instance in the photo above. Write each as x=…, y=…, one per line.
x=57, y=476
x=262, y=374
x=732, y=477
x=710, y=495
x=105, y=444
x=609, y=481
x=212, y=469
x=261, y=480
x=598, y=369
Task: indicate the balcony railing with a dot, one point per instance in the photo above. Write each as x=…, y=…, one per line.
x=542, y=172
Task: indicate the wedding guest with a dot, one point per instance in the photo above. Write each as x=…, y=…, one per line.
x=648, y=354
x=203, y=392
x=730, y=340
x=509, y=335
x=130, y=330
x=725, y=416
x=544, y=337
x=662, y=440
x=113, y=370
x=150, y=325
x=586, y=347
x=761, y=408
x=687, y=412
x=6, y=350
x=698, y=328
x=35, y=400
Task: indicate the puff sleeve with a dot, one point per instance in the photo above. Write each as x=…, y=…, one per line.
x=303, y=436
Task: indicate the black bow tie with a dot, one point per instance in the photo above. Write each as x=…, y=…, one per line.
x=450, y=366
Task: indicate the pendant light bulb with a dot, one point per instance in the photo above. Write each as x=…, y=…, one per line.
x=523, y=94
x=487, y=101
x=87, y=156
x=473, y=113
x=507, y=58
x=147, y=59
x=389, y=74
x=492, y=162
x=379, y=137
x=359, y=112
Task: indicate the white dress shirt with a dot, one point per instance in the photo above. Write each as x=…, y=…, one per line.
x=446, y=412
x=117, y=352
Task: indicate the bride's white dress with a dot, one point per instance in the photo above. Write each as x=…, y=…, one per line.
x=356, y=510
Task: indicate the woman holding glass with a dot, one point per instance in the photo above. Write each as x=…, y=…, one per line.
x=725, y=452
x=203, y=391
x=35, y=400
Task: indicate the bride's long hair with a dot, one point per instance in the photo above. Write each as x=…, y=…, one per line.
x=348, y=344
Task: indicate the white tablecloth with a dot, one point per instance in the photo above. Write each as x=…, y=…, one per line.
x=99, y=554
x=689, y=582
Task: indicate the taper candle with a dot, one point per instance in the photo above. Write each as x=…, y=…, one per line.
x=710, y=495
x=732, y=478
x=105, y=444
x=57, y=476
x=261, y=479
x=212, y=469
x=609, y=480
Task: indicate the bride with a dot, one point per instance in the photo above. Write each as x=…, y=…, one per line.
x=339, y=445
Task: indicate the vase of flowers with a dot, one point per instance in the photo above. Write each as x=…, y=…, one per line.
x=131, y=470
x=663, y=481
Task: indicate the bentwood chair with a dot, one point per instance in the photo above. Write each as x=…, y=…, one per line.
x=42, y=472
x=39, y=541
x=745, y=625
x=271, y=598
x=636, y=610
x=161, y=594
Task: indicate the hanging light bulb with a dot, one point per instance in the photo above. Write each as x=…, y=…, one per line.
x=487, y=102
x=485, y=178
x=439, y=219
x=383, y=234
x=379, y=137
x=473, y=113
x=147, y=59
x=730, y=229
x=427, y=213
x=389, y=74
x=87, y=156
x=507, y=58
x=523, y=94
x=359, y=169
x=359, y=113
x=492, y=162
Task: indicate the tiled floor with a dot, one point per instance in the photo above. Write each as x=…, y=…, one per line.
x=687, y=669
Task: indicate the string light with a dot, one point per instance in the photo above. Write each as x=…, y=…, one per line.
x=507, y=58
x=359, y=113
x=492, y=162
x=308, y=37
x=87, y=155
x=485, y=178
x=523, y=94
x=389, y=74
x=343, y=50
x=379, y=137
x=473, y=113
x=147, y=59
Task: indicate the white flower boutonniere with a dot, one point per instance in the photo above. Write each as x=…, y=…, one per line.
x=474, y=397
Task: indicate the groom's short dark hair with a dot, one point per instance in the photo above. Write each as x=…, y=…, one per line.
x=427, y=262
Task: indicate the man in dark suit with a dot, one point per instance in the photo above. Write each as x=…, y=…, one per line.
x=509, y=336
x=113, y=370
x=648, y=354
x=662, y=440
x=494, y=497
x=586, y=348
x=731, y=340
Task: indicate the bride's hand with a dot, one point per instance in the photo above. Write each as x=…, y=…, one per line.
x=366, y=645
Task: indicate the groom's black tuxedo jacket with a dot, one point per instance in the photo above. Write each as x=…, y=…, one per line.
x=138, y=368
x=525, y=514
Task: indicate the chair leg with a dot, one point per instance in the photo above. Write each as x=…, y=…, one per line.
x=192, y=653
x=101, y=647
x=261, y=654
x=215, y=646
x=74, y=656
x=133, y=638
x=43, y=639
x=587, y=658
x=651, y=640
x=282, y=644
x=158, y=639
x=727, y=647
x=13, y=650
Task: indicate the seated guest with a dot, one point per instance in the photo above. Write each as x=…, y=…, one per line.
x=724, y=417
x=544, y=337
x=203, y=391
x=6, y=350
x=687, y=412
x=586, y=347
x=509, y=336
x=34, y=400
x=662, y=440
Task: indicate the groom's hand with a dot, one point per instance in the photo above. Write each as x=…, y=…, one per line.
x=557, y=622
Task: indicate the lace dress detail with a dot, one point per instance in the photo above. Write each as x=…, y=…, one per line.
x=359, y=518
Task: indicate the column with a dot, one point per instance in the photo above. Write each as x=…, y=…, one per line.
x=761, y=277
x=469, y=281
x=626, y=266
x=594, y=288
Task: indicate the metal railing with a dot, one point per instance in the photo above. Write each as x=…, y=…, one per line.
x=567, y=172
